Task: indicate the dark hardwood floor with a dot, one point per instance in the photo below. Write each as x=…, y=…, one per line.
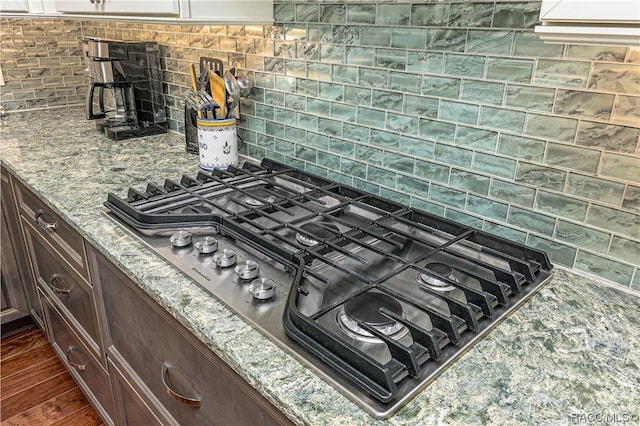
x=36, y=389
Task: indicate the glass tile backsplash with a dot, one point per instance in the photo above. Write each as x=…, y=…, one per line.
x=453, y=107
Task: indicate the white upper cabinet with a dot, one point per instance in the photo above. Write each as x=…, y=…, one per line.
x=602, y=22
x=117, y=7
x=231, y=12
x=178, y=11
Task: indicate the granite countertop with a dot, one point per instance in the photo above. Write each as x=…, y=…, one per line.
x=569, y=355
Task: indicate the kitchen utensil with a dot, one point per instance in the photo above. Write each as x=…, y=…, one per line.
x=194, y=86
x=218, y=143
x=233, y=91
x=197, y=100
x=208, y=65
x=244, y=83
x=218, y=92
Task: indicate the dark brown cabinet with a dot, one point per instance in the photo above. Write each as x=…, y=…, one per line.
x=180, y=379
x=19, y=296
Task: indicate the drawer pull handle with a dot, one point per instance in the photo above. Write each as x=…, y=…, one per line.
x=58, y=290
x=44, y=224
x=193, y=402
x=76, y=365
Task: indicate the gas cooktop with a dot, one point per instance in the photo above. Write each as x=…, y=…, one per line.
x=375, y=297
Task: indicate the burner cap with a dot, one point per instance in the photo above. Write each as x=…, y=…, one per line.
x=314, y=232
x=365, y=308
x=435, y=283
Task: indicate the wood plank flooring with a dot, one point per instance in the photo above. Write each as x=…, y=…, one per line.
x=36, y=389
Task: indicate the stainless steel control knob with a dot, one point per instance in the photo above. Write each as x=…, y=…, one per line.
x=225, y=258
x=180, y=239
x=262, y=288
x=247, y=269
x=207, y=245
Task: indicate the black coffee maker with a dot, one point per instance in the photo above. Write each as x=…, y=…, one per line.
x=125, y=96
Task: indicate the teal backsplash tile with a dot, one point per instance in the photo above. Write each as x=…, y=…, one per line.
x=344, y=74
x=562, y=73
x=558, y=253
x=307, y=154
x=608, y=136
x=582, y=236
x=402, y=123
x=447, y=40
x=635, y=282
x=413, y=186
x=552, y=127
x=562, y=206
x=390, y=58
x=416, y=147
x=355, y=132
x=381, y=176
x=453, y=155
x=421, y=105
x=540, y=176
x=369, y=154
x=393, y=14
x=509, y=233
x=621, y=222
x=512, y=193
x=427, y=206
x=357, y=95
x=341, y=147
x=329, y=126
x=331, y=91
x=370, y=117
x=529, y=44
x=425, y=62
x=584, y=104
x=405, y=82
x=396, y=196
x=470, y=14
x=432, y=172
x=502, y=119
x=621, y=167
x=594, y=188
x=464, y=218
x=384, y=139
x=625, y=250
x=398, y=162
x=441, y=86
x=471, y=182
x=494, y=165
x=387, y=100
x=521, y=147
x=430, y=14
x=437, y=130
x=353, y=168
x=534, y=222
x=482, y=92
x=597, y=53
x=361, y=13
x=343, y=112
x=459, y=112
x=333, y=13
x=631, y=200
x=471, y=137
x=516, y=15
x=489, y=42
x=408, y=38
x=604, y=268
x=327, y=160
x=317, y=140
x=487, y=208
x=617, y=78
x=627, y=110
x=464, y=65
x=448, y=196
x=572, y=157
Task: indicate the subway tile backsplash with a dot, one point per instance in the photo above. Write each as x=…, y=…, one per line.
x=453, y=107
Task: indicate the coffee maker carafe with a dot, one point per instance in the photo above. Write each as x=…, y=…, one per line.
x=125, y=96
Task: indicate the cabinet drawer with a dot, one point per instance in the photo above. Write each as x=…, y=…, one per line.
x=90, y=376
x=66, y=289
x=50, y=225
x=189, y=381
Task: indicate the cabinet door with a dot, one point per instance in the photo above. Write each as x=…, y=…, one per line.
x=68, y=290
x=88, y=374
x=19, y=295
x=14, y=6
x=117, y=7
x=188, y=379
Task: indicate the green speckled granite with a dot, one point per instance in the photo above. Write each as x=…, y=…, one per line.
x=572, y=350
